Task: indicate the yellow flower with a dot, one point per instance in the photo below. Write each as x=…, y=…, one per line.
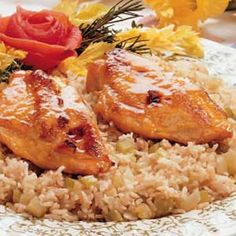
x=186, y=12
x=182, y=40
x=77, y=66
x=81, y=12
x=211, y=8
x=68, y=7
x=88, y=13
x=8, y=55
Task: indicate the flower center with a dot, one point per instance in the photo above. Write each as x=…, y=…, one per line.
x=39, y=19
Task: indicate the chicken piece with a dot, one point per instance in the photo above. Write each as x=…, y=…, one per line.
x=45, y=121
x=152, y=100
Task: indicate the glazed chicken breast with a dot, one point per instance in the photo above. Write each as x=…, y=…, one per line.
x=152, y=100
x=46, y=121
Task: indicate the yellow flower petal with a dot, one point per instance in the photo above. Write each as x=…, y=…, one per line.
x=88, y=13
x=211, y=8
x=68, y=7
x=186, y=12
x=182, y=41
x=8, y=55
x=81, y=12
x=77, y=66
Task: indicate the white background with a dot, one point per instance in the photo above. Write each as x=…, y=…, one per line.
x=8, y=6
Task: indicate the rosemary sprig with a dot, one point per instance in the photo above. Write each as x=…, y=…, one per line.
x=100, y=30
x=134, y=44
x=135, y=25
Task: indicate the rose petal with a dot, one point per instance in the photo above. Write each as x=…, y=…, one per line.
x=4, y=21
x=51, y=55
x=74, y=39
x=38, y=60
x=16, y=25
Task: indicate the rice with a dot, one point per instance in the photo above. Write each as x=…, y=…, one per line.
x=148, y=180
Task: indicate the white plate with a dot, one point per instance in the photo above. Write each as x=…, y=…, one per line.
x=217, y=219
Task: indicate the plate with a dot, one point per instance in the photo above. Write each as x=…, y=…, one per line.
x=218, y=219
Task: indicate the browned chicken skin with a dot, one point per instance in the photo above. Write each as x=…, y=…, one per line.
x=47, y=122
x=152, y=100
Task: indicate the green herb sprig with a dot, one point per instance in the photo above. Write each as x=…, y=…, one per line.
x=101, y=29
x=134, y=44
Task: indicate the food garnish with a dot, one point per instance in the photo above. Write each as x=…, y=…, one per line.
x=101, y=30
x=77, y=66
x=47, y=36
x=10, y=60
x=79, y=28
x=186, y=12
x=14, y=66
x=67, y=7
x=181, y=41
x=81, y=13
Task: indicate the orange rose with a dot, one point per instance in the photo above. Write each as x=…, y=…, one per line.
x=47, y=36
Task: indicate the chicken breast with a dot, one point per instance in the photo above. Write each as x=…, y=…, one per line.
x=152, y=100
x=46, y=122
